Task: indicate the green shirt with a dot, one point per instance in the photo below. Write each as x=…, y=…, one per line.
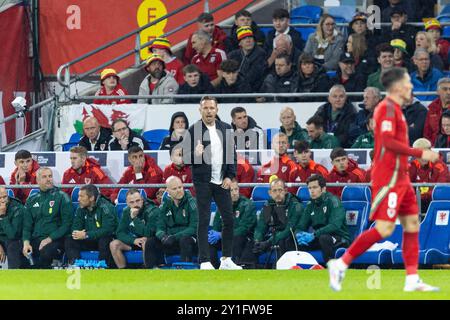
x=47, y=214
x=374, y=80
x=325, y=215
x=325, y=141
x=298, y=134
x=143, y=225
x=244, y=218
x=11, y=224
x=364, y=141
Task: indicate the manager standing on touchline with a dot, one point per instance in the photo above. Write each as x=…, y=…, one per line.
x=209, y=149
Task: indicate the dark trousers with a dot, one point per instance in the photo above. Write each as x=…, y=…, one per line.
x=239, y=244
x=250, y=258
x=326, y=243
x=43, y=259
x=205, y=192
x=13, y=250
x=74, y=247
x=155, y=250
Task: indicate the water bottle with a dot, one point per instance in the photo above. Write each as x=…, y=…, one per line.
x=30, y=258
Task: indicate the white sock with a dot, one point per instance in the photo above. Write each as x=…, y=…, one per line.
x=412, y=278
x=341, y=264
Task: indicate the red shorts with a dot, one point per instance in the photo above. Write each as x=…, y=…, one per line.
x=387, y=203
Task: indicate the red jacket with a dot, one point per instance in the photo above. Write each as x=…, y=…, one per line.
x=300, y=174
x=91, y=173
x=118, y=91
x=281, y=167
x=184, y=173
x=22, y=194
x=175, y=68
x=245, y=174
x=353, y=174
x=368, y=174
x=2, y=181
x=219, y=37
x=151, y=173
x=432, y=172
x=444, y=47
x=433, y=121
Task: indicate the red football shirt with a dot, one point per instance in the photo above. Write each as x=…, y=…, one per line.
x=390, y=163
x=211, y=63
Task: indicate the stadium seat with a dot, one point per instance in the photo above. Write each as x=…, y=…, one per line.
x=75, y=193
x=73, y=141
x=89, y=255
x=305, y=31
x=343, y=13
x=33, y=192
x=10, y=193
x=270, y=132
x=134, y=257
x=303, y=195
x=445, y=10
x=155, y=137
x=446, y=32
x=260, y=193
x=307, y=11
x=176, y=258
x=356, y=201
x=265, y=30
x=119, y=208
x=122, y=196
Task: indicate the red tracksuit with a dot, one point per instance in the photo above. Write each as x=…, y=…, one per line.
x=90, y=173
x=151, y=173
x=175, y=68
x=184, y=173
x=245, y=174
x=22, y=194
x=118, y=91
x=300, y=174
x=353, y=174
x=219, y=37
x=432, y=126
x=281, y=167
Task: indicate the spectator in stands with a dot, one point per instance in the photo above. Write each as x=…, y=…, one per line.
x=11, y=223
x=138, y=223
x=427, y=172
x=162, y=47
x=283, y=46
x=339, y=116
x=281, y=20
x=346, y=75
x=415, y=114
x=158, y=82
x=279, y=216
x=245, y=174
x=244, y=19
x=369, y=170
x=143, y=169
x=243, y=229
x=24, y=173
x=281, y=164
x=406, y=6
x=47, y=221
x=358, y=47
x=433, y=27
x=95, y=138
x=233, y=83
x=366, y=140
x=177, y=168
x=399, y=29
x=326, y=44
x=176, y=228
x=219, y=40
x=85, y=170
x=425, y=41
x=443, y=139
x=251, y=58
x=248, y=135
x=435, y=110
x=329, y=230
x=312, y=77
x=195, y=82
x=283, y=80
x=345, y=170
x=306, y=167
x=401, y=55
x=358, y=27
x=207, y=57
x=385, y=57
x=179, y=123
x=317, y=137
x=426, y=77
x=124, y=138
x=372, y=96
x=290, y=126
x=94, y=225
x=110, y=86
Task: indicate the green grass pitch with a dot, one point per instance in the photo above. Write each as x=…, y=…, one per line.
x=211, y=285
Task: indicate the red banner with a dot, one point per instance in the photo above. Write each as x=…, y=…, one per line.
x=15, y=68
x=71, y=28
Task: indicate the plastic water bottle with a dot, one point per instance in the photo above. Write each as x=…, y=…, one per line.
x=30, y=258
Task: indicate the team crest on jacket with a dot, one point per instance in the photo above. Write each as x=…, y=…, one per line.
x=237, y=213
x=184, y=213
x=102, y=146
x=324, y=210
x=51, y=203
x=87, y=180
x=283, y=169
x=184, y=177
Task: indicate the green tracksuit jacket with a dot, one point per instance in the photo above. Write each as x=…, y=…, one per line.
x=325, y=141
x=144, y=225
x=298, y=134
x=180, y=221
x=244, y=218
x=293, y=211
x=98, y=223
x=325, y=215
x=48, y=214
x=364, y=141
x=12, y=223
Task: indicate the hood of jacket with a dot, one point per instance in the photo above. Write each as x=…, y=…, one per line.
x=176, y=115
x=352, y=165
x=251, y=124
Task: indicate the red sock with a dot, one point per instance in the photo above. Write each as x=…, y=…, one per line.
x=410, y=251
x=361, y=244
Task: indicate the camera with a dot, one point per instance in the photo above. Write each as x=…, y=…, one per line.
x=19, y=104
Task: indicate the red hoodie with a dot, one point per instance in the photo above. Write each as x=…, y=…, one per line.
x=30, y=178
x=219, y=37
x=281, y=167
x=433, y=121
x=245, y=174
x=91, y=173
x=151, y=173
x=353, y=174
x=118, y=91
x=301, y=174
x=432, y=172
x=184, y=173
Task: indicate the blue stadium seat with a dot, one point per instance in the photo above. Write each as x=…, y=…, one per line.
x=134, y=257
x=343, y=13
x=73, y=141
x=305, y=32
x=155, y=137
x=258, y=206
x=176, y=258
x=10, y=193
x=356, y=201
x=446, y=32
x=89, y=255
x=119, y=208
x=303, y=195
x=445, y=10
x=33, y=192
x=270, y=132
x=331, y=73
x=265, y=30
x=75, y=193
x=260, y=193
x=122, y=196
x=306, y=11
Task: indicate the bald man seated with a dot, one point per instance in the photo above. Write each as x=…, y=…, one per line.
x=95, y=138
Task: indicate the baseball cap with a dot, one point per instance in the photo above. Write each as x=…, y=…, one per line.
x=361, y=16
x=346, y=57
x=398, y=10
